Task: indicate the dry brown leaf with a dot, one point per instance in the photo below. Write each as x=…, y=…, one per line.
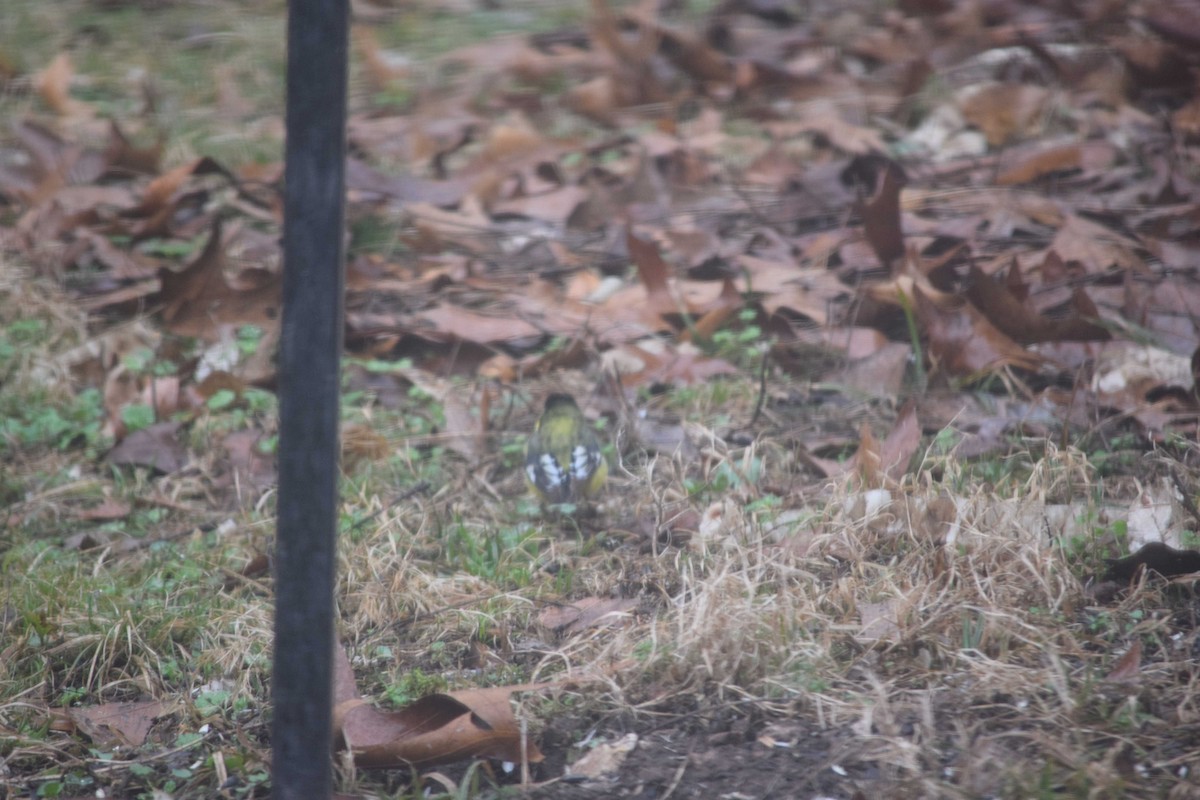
x=693, y=56
x=823, y=116
x=852, y=341
x=606, y=31
x=380, y=71
x=825, y=467
x=501, y=367
x=127, y=724
x=657, y=361
x=1013, y=317
x=654, y=272
x=198, y=299
x=1129, y=666
x=437, y=729
x=813, y=292
x=122, y=155
x=465, y=434
x=1094, y=246
x=448, y=322
x=596, y=99
x=218, y=381
x=555, y=207
x=881, y=210
x=587, y=612
x=898, y=448
x=246, y=467
x=158, y=195
x=52, y=164
x=1055, y=159
x=157, y=447
x=54, y=85
x=868, y=459
x=881, y=222
x=880, y=373
x=962, y=341
x=106, y=510
x=163, y=395
x=1005, y=111
x=423, y=198
x=437, y=228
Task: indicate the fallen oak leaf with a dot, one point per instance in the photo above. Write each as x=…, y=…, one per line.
x=881, y=216
x=465, y=434
x=54, y=85
x=439, y=728
x=881, y=463
x=1004, y=111
x=120, y=723
x=1128, y=666
x=1045, y=161
x=156, y=446
x=729, y=301
x=1014, y=318
x=247, y=465
x=157, y=196
x=586, y=612
x=692, y=55
x=198, y=298
x=53, y=163
x=964, y=342
x=123, y=156
x=449, y=322
x=825, y=467
x=653, y=361
x=868, y=459
x=880, y=209
x=1095, y=247
x=654, y=271
x=901, y=443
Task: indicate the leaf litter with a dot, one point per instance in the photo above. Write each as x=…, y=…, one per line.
x=819, y=274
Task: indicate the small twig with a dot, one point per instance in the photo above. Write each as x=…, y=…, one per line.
x=420, y=487
x=762, y=389
x=233, y=578
x=678, y=777
x=1185, y=497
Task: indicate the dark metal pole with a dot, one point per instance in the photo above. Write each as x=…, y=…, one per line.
x=309, y=353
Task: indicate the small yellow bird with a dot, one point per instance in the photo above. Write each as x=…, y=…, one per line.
x=563, y=462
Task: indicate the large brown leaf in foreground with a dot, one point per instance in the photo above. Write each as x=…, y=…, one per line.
x=437, y=729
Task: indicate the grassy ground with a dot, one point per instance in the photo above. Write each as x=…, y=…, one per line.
x=791, y=637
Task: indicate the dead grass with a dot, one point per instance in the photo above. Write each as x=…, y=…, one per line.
x=943, y=638
x=938, y=636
